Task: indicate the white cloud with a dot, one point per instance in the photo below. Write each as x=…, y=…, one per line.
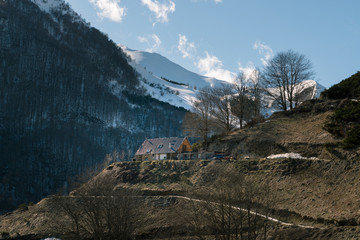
x=110, y=9
x=186, y=48
x=153, y=42
x=265, y=51
x=249, y=71
x=211, y=66
x=161, y=10
x=218, y=1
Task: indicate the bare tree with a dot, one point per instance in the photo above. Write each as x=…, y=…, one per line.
x=221, y=97
x=247, y=102
x=229, y=206
x=194, y=126
x=256, y=92
x=240, y=102
x=283, y=76
x=97, y=211
x=198, y=123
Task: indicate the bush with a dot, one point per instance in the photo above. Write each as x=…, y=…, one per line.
x=196, y=146
x=352, y=139
x=5, y=234
x=23, y=207
x=345, y=123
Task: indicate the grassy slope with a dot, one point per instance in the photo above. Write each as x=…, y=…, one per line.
x=300, y=131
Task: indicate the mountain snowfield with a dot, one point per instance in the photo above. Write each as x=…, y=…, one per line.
x=154, y=68
x=168, y=81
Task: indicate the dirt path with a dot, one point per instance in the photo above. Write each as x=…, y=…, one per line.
x=244, y=210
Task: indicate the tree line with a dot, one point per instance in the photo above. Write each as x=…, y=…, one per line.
x=222, y=108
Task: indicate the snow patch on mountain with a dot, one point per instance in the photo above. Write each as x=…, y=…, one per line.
x=174, y=94
x=168, y=81
x=163, y=67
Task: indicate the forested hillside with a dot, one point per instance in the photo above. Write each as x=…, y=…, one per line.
x=348, y=88
x=345, y=122
x=68, y=97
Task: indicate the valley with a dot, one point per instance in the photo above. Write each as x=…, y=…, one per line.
x=275, y=155
x=313, y=196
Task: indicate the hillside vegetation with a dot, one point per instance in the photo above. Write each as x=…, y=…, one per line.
x=68, y=97
x=348, y=88
x=345, y=122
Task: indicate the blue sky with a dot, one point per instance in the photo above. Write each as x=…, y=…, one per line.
x=219, y=38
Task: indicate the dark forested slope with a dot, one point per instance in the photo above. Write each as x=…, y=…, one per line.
x=67, y=97
x=348, y=88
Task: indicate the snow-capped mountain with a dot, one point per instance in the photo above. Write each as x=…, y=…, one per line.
x=166, y=80
x=169, y=82
x=308, y=89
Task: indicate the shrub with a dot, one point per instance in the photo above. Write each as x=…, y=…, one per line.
x=352, y=138
x=23, y=207
x=5, y=234
x=345, y=122
x=196, y=146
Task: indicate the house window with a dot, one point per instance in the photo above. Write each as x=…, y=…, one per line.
x=160, y=146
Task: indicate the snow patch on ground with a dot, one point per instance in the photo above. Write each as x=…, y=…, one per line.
x=290, y=156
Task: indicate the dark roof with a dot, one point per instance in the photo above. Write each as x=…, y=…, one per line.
x=160, y=145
